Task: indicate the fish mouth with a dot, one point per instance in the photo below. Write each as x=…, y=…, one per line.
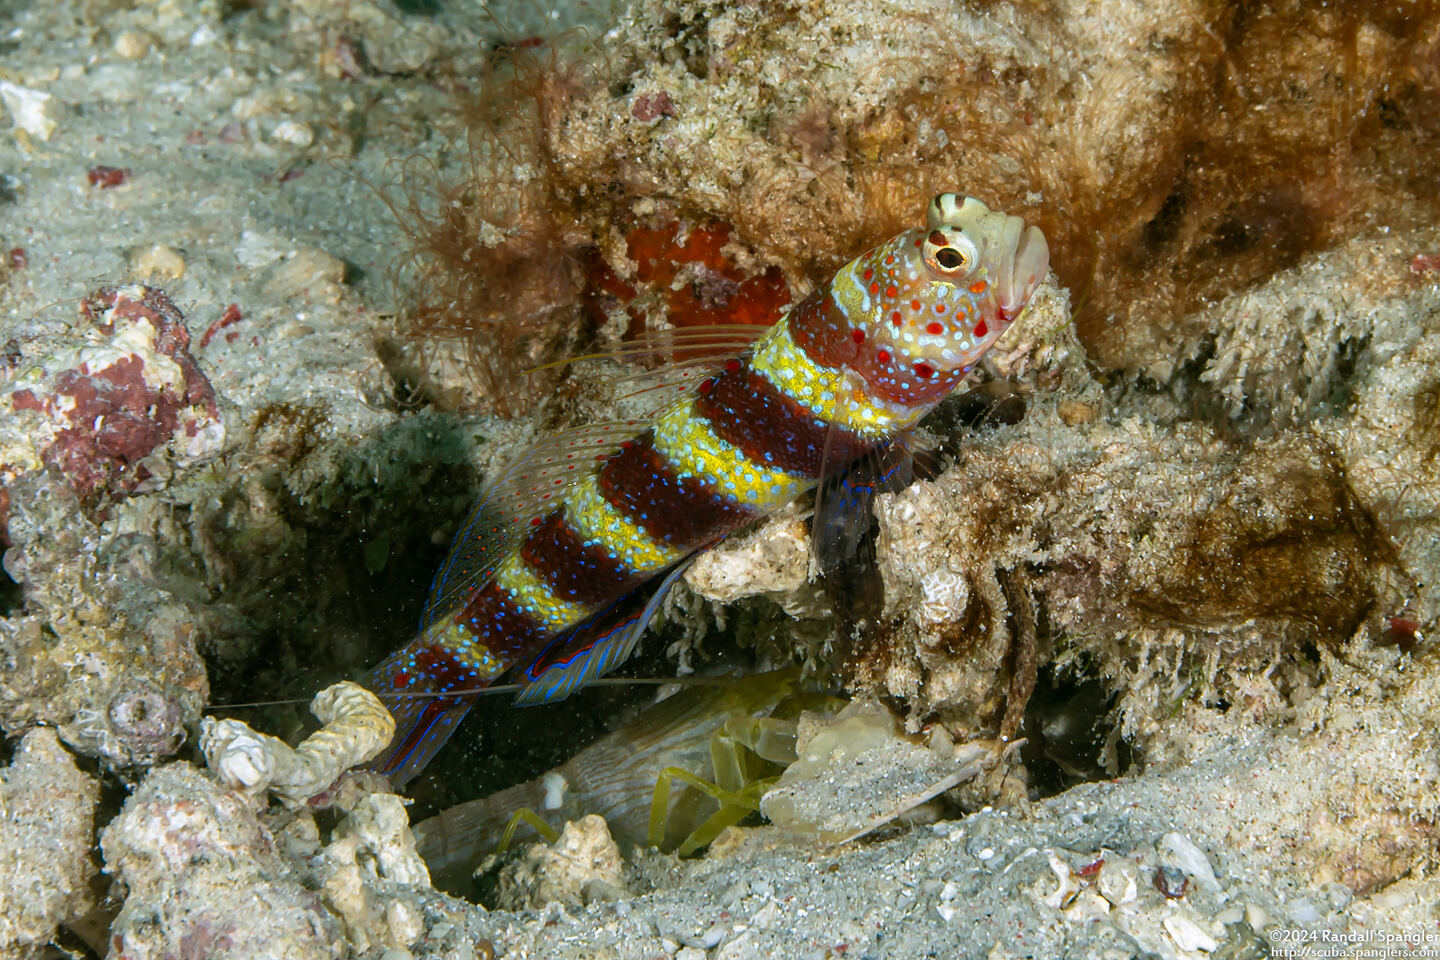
x=1024, y=261
x=1016, y=255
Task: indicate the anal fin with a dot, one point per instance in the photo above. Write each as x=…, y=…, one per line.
x=595, y=647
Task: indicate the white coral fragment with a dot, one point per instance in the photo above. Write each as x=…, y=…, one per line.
x=583, y=863
x=33, y=111
x=356, y=728
x=381, y=824
x=1179, y=851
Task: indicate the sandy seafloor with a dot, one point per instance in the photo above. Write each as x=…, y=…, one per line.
x=1287, y=794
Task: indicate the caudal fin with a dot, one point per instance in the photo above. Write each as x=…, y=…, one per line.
x=425, y=716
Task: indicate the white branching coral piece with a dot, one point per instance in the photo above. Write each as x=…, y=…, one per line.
x=356, y=728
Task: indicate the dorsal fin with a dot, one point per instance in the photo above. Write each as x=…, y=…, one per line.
x=525, y=490
x=533, y=483
x=712, y=342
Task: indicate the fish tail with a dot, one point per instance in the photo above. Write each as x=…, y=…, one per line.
x=413, y=683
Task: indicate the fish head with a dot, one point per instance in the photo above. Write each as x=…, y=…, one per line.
x=926, y=305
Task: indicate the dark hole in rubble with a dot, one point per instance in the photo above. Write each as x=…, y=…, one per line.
x=321, y=584
x=498, y=745
x=12, y=595
x=1067, y=726
x=328, y=604
x=990, y=404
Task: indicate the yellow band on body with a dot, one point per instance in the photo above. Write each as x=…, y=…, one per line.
x=597, y=521
x=691, y=447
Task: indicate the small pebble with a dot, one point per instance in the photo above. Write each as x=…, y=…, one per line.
x=766, y=916
x=601, y=891
x=1073, y=413
x=740, y=948
x=1178, y=851
x=34, y=111
x=132, y=45
x=1116, y=881
x=1302, y=911
x=1187, y=934
x=1171, y=882
x=404, y=922
x=294, y=133
x=158, y=261
x=711, y=937
x=307, y=271
x=1230, y=916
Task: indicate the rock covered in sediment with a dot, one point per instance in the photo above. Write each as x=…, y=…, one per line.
x=356, y=728
x=47, y=837
x=100, y=651
x=98, y=404
x=857, y=771
x=584, y=864
x=202, y=872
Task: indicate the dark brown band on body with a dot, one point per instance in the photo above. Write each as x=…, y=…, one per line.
x=576, y=571
x=817, y=327
x=504, y=629
x=744, y=408
x=684, y=512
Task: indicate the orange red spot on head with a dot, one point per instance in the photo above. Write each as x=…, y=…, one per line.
x=924, y=371
x=857, y=335
x=935, y=328
x=883, y=356
x=914, y=304
x=874, y=287
x=981, y=329
x=939, y=308
x=891, y=292
x=978, y=286
x=896, y=319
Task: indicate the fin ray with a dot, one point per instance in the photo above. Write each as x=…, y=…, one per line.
x=709, y=342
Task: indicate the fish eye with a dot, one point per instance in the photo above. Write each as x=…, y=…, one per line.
x=949, y=256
